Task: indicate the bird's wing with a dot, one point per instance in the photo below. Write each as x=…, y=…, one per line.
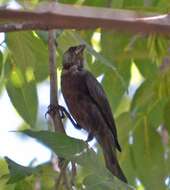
x=99, y=97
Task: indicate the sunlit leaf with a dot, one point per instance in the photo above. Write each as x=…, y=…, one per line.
x=23, y=96
x=29, y=52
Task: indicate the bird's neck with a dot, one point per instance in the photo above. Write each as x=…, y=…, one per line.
x=72, y=70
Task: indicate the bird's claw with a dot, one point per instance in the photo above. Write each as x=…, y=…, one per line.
x=61, y=111
x=52, y=110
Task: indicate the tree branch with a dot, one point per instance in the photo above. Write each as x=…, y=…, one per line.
x=55, y=15
x=60, y=177
x=11, y=27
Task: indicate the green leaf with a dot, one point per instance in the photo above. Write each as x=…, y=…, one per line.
x=166, y=115
x=4, y=167
x=68, y=1
x=147, y=68
x=43, y=35
x=23, y=96
x=96, y=3
x=1, y=57
x=158, y=47
x=90, y=162
x=114, y=85
x=129, y=3
x=67, y=39
x=112, y=81
x=4, y=176
x=143, y=98
x=112, y=89
x=24, y=184
x=46, y=175
x=29, y=53
x=124, y=126
x=60, y=143
x=147, y=155
x=104, y=181
x=156, y=111
x=116, y=43
x=93, y=165
x=117, y=4
x=1, y=72
x=17, y=172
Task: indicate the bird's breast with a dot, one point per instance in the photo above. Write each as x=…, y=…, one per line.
x=80, y=104
x=76, y=95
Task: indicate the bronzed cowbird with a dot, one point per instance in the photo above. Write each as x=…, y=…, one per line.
x=88, y=104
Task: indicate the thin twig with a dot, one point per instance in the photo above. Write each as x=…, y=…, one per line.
x=55, y=116
x=58, y=126
x=66, y=184
x=59, y=179
x=73, y=172
x=37, y=185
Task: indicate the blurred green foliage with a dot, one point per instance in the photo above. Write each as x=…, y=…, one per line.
x=143, y=123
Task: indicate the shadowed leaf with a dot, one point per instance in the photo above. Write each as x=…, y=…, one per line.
x=17, y=172
x=61, y=144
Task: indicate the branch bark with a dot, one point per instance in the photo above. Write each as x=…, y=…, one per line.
x=56, y=119
x=54, y=15
x=55, y=116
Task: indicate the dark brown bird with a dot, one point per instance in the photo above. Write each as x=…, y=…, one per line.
x=88, y=104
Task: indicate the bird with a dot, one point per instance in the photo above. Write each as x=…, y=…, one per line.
x=88, y=104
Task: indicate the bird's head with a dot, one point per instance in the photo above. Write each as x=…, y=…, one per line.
x=74, y=57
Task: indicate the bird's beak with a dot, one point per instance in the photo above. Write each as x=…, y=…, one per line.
x=80, y=49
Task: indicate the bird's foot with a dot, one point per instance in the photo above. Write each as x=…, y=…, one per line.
x=90, y=137
x=52, y=109
x=66, y=113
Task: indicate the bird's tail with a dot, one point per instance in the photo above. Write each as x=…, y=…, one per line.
x=111, y=161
